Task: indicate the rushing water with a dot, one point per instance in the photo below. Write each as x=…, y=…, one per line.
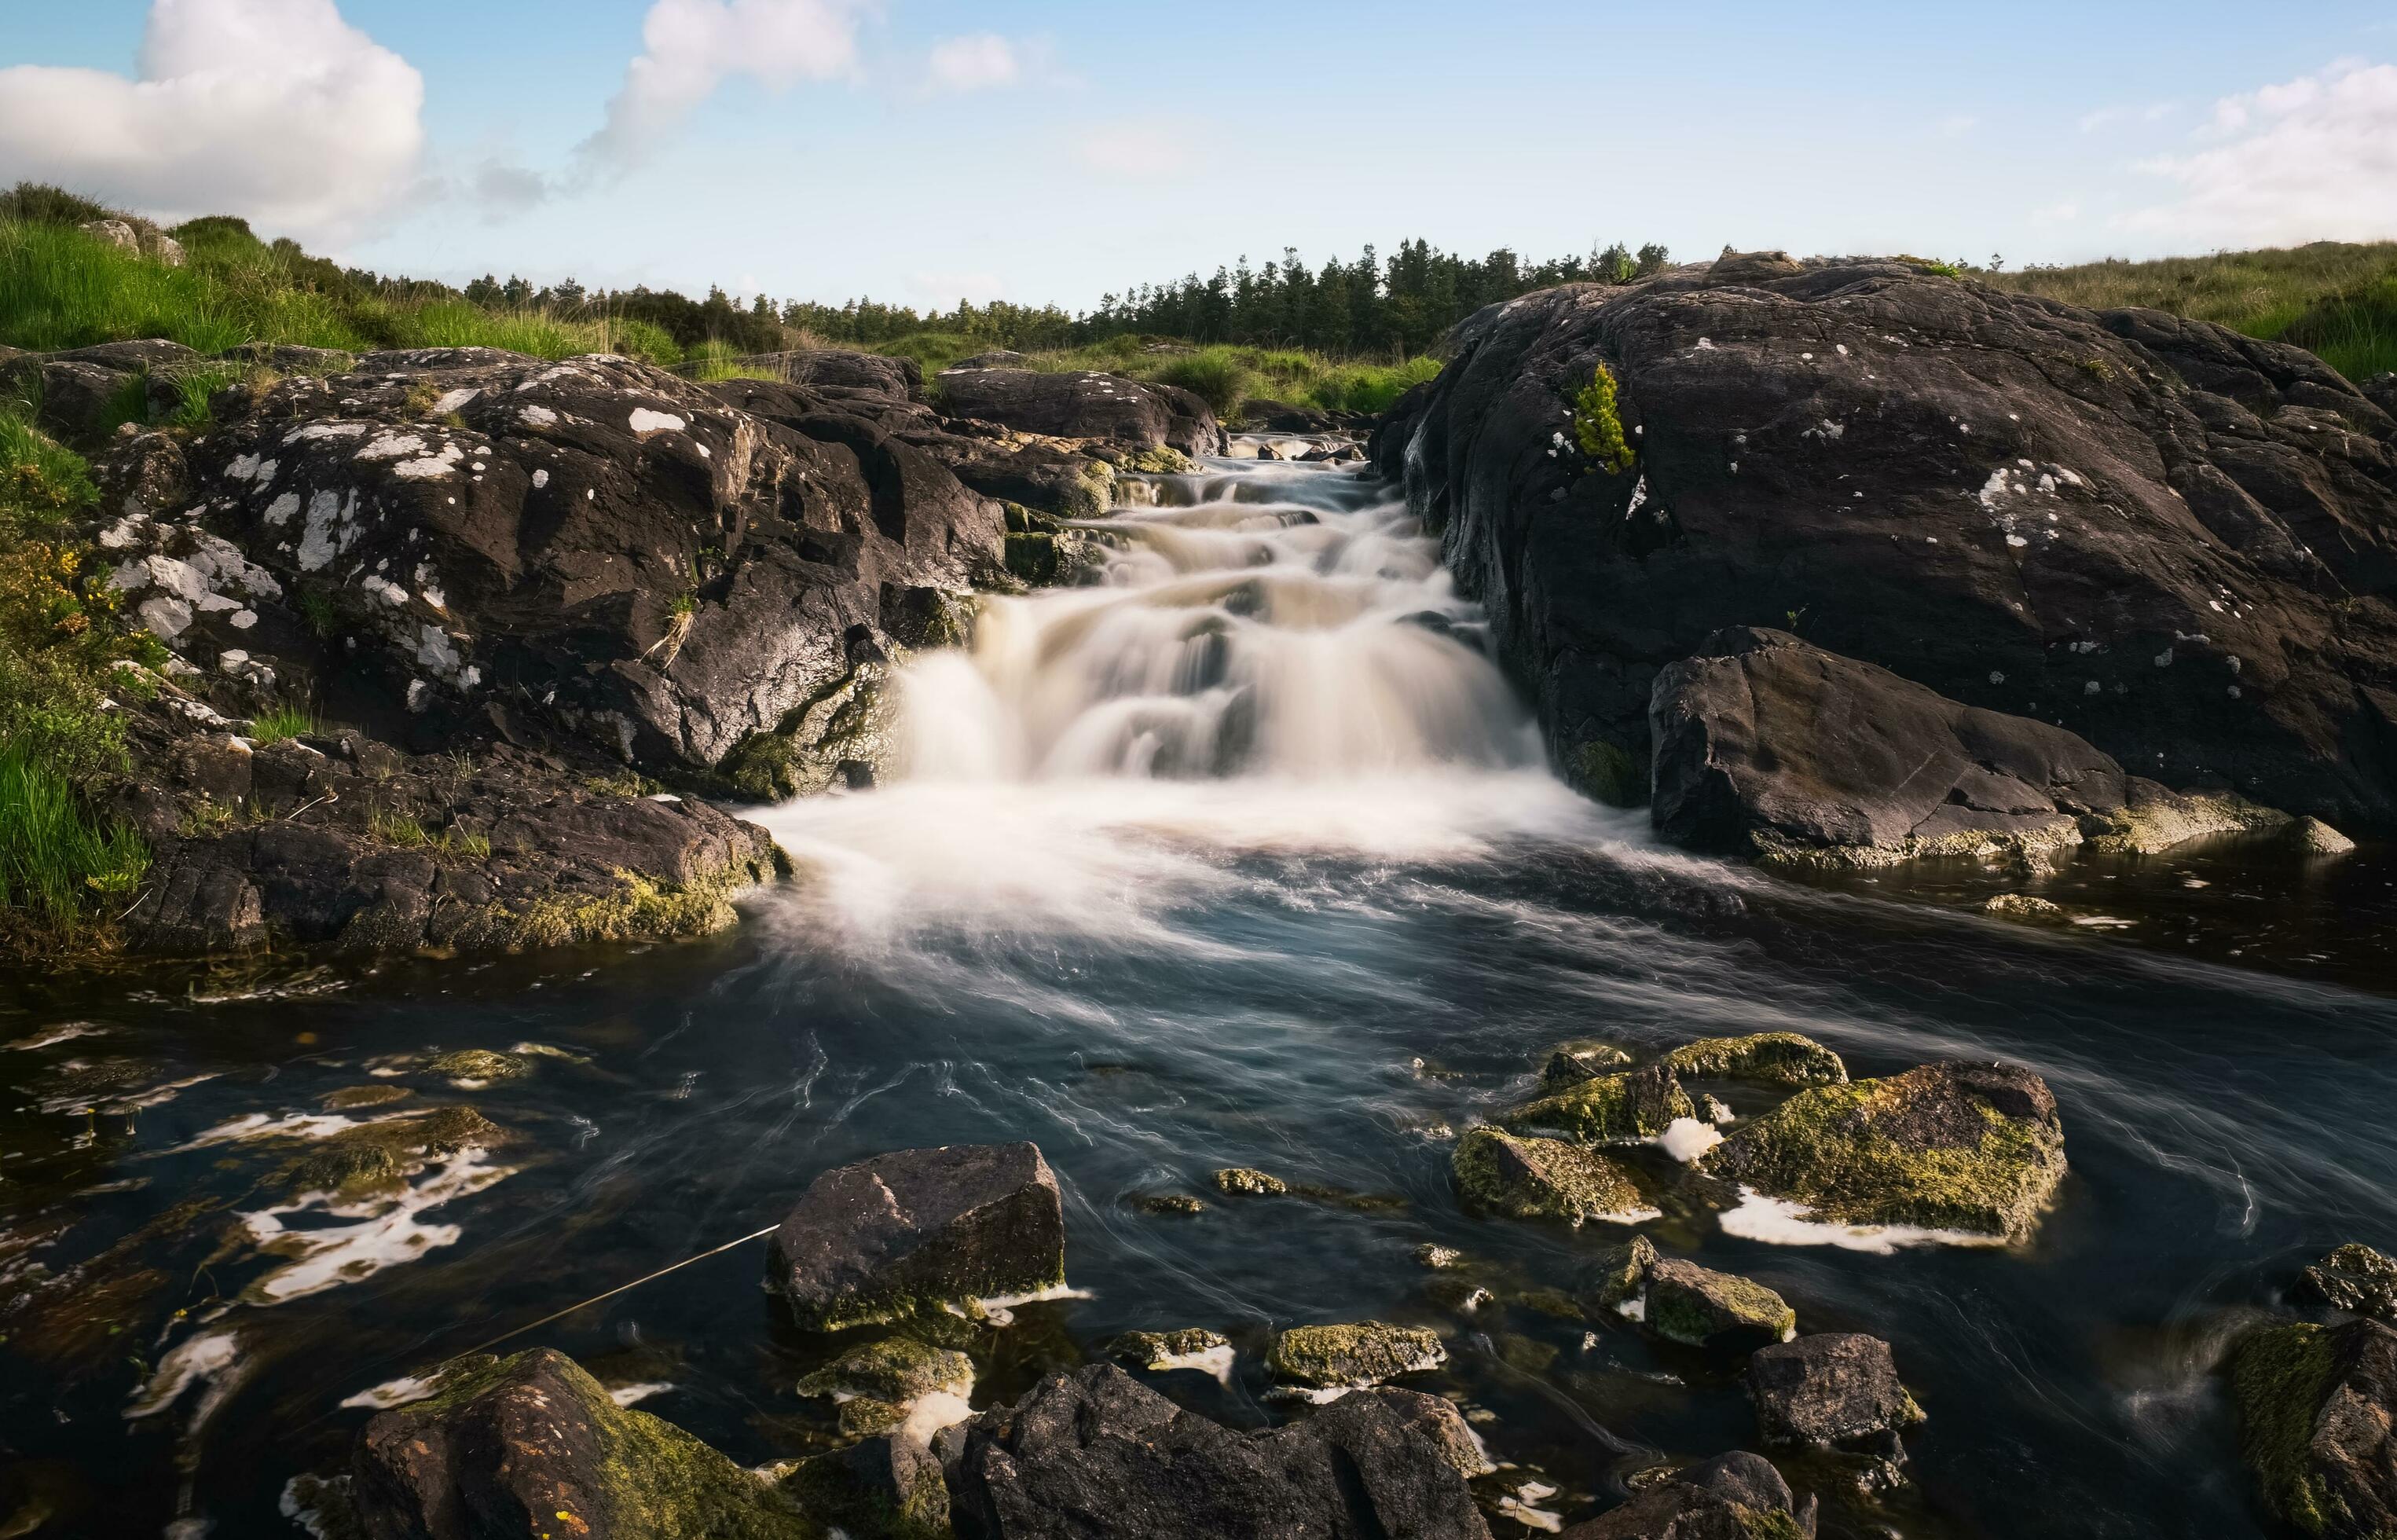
x=1245, y=857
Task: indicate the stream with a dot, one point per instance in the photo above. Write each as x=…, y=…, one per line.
x=1246, y=856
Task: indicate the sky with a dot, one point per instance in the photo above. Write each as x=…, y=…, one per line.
x=1052, y=150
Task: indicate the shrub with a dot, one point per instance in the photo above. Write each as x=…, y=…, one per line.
x=33, y=202
x=1597, y=426
x=1215, y=375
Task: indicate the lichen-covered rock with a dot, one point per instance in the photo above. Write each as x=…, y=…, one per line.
x=1689, y=1304
x=1610, y=1109
x=1095, y=1456
x=911, y=1232
x=2021, y=906
x=1327, y=1358
x=1734, y=1496
x=1622, y=1271
x=531, y=1445
x=2312, y=836
x=1834, y=1391
x=1192, y=1347
x=2156, y=818
x=1536, y=1178
x=1774, y=1058
x=1243, y=1182
x=1571, y=1064
x=2355, y=1278
x=1975, y=1148
x=2316, y=1409
x=896, y=1368
x=1437, y=1257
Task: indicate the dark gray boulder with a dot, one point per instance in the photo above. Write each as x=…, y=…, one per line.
x=2179, y=543
x=916, y=1231
x=1084, y=404
x=898, y=377
x=1767, y=746
x=1733, y=1496
x=2316, y=1410
x=1834, y=1391
x=532, y=1445
x=1095, y=1456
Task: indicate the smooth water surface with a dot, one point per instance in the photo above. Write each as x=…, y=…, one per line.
x=1244, y=858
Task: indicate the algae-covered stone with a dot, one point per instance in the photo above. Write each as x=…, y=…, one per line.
x=1830, y=1390
x=1622, y=1271
x=1571, y=1064
x=2024, y=907
x=2157, y=818
x=883, y=1487
x=1610, y=1109
x=1734, y=1496
x=2316, y=1405
x=2312, y=836
x=1435, y=1256
x=1244, y=1181
x=1776, y=1058
x=376, y=1157
x=531, y=1445
x=474, y=1066
x=352, y=1098
x=1975, y=1148
x=2355, y=1278
x=1192, y=1347
x=896, y=1368
x=1535, y=1178
x=918, y=1232
x=1327, y=1358
x=1179, y=1204
x=1697, y=1305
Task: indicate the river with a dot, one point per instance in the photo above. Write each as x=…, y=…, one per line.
x=1244, y=857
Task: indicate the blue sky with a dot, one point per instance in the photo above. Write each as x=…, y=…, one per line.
x=918, y=152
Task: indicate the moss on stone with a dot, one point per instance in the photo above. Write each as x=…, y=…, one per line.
x=477, y=1063
x=2161, y=821
x=637, y=908
x=894, y=1368
x=351, y=1098
x=375, y=1158
x=1571, y=1064
x=1535, y=1178
x=1179, y=1204
x=1246, y=1181
x=1622, y=1271
x=1609, y=773
x=1767, y=1523
x=1609, y=1108
x=2278, y=1378
x=1161, y=460
x=1555, y=1303
x=1364, y=1353
x=1693, y=1304
x=1156, y=1350
x=870, y=1417
x=850, y=721
x=1776, y=1058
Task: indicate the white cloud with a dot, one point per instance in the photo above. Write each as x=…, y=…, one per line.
x=2056, y=213
x=275, y=109
x=978, y=63
x=2314, y=158
x=2115, y=117
x=689, y=47
x=1140, y=149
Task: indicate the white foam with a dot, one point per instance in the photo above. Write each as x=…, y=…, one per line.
x=1778, y=1222
x=391, y=1393
x=928, y=1414
x=293, y=1125
x=625, y=1394
x=1634, y=1309
x=387, y=1234
x=1210, y=1360
x=209, y=1358
x=1687, y=1138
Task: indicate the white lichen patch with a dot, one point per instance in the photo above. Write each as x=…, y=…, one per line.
x=392, y=445
x=646, y=422
x=431, y=467
x=455, y=399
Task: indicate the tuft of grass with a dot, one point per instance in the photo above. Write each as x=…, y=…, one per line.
x=395, y=828
x=1217, y=376
x=1597, y=426
x=57, y=863
x=281, y=722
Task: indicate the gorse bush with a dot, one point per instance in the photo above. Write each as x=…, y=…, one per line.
x=1598, y=427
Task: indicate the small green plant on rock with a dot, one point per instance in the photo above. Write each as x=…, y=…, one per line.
x=1598, y=426
x=278, y=723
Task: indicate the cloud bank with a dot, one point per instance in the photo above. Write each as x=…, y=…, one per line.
x=690, y=48
x=2314, y=158
x=275, y=109
x=981, y=63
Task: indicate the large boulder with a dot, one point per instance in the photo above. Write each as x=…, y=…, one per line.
x=2316, y=1410
x=1733, y=1496
x=1767, y=746
x=1971, y=1147
x=889, y=375
x=1095, y=1456
x=1835, y=1392
x=1535, y=1178
x=1613, y=1109
x=2176, y=542
x=532, y=1445
x=916, y=1231
x=1084, y=404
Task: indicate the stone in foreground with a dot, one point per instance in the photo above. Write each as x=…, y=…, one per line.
x=531, y=1445
x=2316, y=1406
x=1834, y=1390
x=1332, y=1358
x=1705, y=1308
x=1246, y=1181
x=885, y=1488
x=1773, y=1058
x=1966, y=1147
x=1733, y=1496
x=1610, y=1109
x=1095, y=1456
x=1192, y=1347
x=1534, y=1178
x=896, y=1368
x=2357, y=1280
x=916, y=1231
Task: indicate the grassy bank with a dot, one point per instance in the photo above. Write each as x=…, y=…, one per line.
x=1225, y=375
x=2334, y=299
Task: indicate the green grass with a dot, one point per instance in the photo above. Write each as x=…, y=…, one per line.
x=282, y=722
x=1226, y=376
x=2337, y=300
x=58, y=864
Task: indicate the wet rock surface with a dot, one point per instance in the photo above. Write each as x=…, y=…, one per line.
x=1834, y=1391
x=2356, y=1278
x=1537, y=1178
x=2170, y=541
x=2316, y=1407
x=1084, y=404
x=1734, y=1496
x=1328, y=1358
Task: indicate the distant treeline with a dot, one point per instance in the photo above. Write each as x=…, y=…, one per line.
x=1398, y=305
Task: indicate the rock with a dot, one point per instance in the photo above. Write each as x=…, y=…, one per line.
x=1083, y=404
x=1733, y=1496
x=1434, y=1417
x=2312, y=836
x=887, y=1487
x=507, y=1446
x=117, y=232
x=2355, y=1278
x=1332, y=1358
x=1096, y=1457
x=996, y=359
x=898, y=1370
x=1966, y=1147
x=1192, y=1347
x=1689, y=1304
x=2158, y=818
x=914, y=1231
x=1574, y=1062
x=897, y=378
x=1615, y=1109
x=1772, y=1058
x=1753, y=267
x=1834, y=1391
x=2020, y=906
x=2169, y=578
x=1242, y=1182
x=2316, y=1405
x=1437, y=1257
x=478, y=1065
x=1180, y=1204
x=1262, y=416
x=1622, y=1272
x=1767, y=746
x=1535, y=1178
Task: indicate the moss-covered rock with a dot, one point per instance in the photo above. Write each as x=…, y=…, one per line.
x=2157, y=819
x=1535, y=1178
x=2356, y=1278
x=1622, y=1272
x=1975, y=1148
x=1610, y=1109
x=1192, y=1347
x=1245, y=1182
x=375, y=1158
x=895, y=1369
x=1435, y=1256
x=841, y=736
x=886, y=1487
x=1697, y=1305
x=1325, y=1358
x=2316, y=1406
x=1774, y=1058
x=532, y=1445
x=2021, y=906
x=1571, y=1064
x=479, y=1065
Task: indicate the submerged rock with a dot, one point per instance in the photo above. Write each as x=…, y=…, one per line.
x=1435, y=1256
x=2316, y=1408
x=1095, y=1456
x=1734, y=1496
x=1834, y=1391
x=1243, y=1182
x=1613, y=1109
x=2355, y=1278
x=1774, y=1058
x=916, y=1231
x=895, y=1369
x=477, y=1064
x=1535, y=1178
x=2020, y=906
x=1974, y=1148
x=1192, y=1347
x=1331, y=1358
x=1174, y=1203
x=531, y=1445
x=1574, y=1062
